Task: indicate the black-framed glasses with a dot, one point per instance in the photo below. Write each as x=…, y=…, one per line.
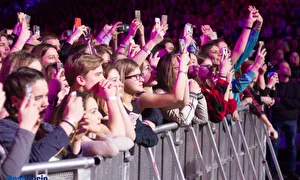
x=136, y=76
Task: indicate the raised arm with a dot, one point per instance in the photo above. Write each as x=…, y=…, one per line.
x=240, y=46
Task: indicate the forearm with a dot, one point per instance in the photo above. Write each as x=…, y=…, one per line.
x=140, y=57
x=261, y=81
x=18, y=154
x=142, y=40
x=129, y=128
x=265, y=120
x=124, y=45
x=76, y=147
x=181, y=89
x=18, y=46
x=240, y=45
x=115, y=121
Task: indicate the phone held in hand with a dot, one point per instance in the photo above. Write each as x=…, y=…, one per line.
x=181, y=45
x=138, y=15
x=164, y=19
x=77, y=22
x=123, y=28
x=224, y=52
x=88, y=33
x=59, y=66
x=157, y=22
x=28, y=91
x=189, y=29
x=36, y=30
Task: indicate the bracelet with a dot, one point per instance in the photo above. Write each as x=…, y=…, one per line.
x=112, y=98
x=70, y=122
x=146, y=50
x=183, y=72
x=222, y=75
x=247, y=27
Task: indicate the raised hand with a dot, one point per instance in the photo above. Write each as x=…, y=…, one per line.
x=107, y=89
x=157, y=34
x=74, y=109
x=260, y=56
x=29, y=115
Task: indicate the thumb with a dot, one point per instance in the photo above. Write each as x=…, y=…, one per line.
x=72, y=97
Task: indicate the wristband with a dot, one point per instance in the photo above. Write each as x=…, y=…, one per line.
x=70, y=122
x=146, y=50
x=112, y=98
x=247, y=27
x=183, y=72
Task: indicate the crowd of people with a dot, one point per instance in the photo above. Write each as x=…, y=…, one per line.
x=87, y=93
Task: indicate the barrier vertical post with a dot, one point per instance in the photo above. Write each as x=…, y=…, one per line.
x=273, y=155
x=174, y=154
x=198, y=152
x=261, y=151
x=215, y=150
x=246, y=149
x=226, y=127
x=153, y=163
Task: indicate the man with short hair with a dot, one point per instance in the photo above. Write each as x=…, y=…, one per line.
x=284, y=116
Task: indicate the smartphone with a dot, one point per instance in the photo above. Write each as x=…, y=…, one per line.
x=164, y=19
x=36, y=30
x=88, y=33
x=28, y=91
x=27, y=18
x=69, y=33
x=224, y=52
x=138, y=14
x=157, y=22
x=77, y=22
x=59, y=66
x=189, y=28
x=123, y=28
x=181, y=45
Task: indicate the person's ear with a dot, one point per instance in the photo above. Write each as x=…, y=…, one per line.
x=16, y=102
x=80, y=80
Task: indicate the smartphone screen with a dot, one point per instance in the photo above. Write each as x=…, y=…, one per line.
x=157, y=22
x=77, y=22
x=28, y=91
x=164, y=19
x=189, y=29
x=138, y=15
x=181, y=45
x=36, y=30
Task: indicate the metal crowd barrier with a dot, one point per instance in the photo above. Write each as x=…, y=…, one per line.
x=211, y=151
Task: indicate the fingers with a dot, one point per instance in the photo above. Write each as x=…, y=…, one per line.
x=72, y=97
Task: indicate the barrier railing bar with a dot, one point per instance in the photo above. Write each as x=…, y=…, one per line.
x=247, y=152
x=264, y=161
x=174, y=154
x=152, y=163
x=166, y=127
x=62, y=165
x=198, y=152
x=273, y=155
x=215, y=150
x=239, y=167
